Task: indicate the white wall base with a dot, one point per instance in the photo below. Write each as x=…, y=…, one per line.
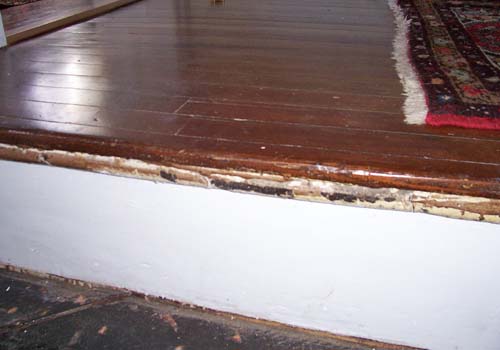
x=396, y=276
x=3, y=39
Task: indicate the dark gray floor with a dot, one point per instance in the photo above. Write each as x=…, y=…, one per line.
x=40, y=313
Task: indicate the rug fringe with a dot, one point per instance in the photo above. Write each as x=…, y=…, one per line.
x=415, y=106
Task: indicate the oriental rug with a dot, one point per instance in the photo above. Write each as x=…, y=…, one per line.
x=448, y=59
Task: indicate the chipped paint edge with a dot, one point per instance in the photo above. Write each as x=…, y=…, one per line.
x=447, y=205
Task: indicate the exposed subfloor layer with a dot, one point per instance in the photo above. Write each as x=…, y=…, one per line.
x=44, y=312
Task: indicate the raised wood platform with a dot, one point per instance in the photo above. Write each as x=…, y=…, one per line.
x=247, y=96
x=26, y=21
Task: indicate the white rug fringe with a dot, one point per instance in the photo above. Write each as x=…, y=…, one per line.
x=415, y=106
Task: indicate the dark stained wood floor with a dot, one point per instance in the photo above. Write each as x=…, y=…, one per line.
x=302, y=88
x=35, y=18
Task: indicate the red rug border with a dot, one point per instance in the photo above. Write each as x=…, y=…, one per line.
x=462, y=121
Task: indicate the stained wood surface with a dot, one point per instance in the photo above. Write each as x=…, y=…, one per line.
x=299, y=88
x=32, y=19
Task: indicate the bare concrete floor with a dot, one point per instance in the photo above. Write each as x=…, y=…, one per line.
x=46, y=313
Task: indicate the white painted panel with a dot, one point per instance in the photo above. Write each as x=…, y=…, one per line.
x=3, y=40
x=413, y=278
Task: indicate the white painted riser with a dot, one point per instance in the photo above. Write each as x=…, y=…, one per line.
x=410, y=278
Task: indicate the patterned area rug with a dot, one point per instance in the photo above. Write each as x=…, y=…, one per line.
x=448, y=58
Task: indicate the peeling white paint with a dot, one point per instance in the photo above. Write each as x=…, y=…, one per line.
x=455, y=206
x=448, y=197
x=229, y=178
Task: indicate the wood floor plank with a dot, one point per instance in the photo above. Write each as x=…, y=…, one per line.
x=99, y=92
x=243, y=70
x=418, y=146
x=375, y=121
x=119, y=100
